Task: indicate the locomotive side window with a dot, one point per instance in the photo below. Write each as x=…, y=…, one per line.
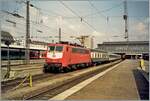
x=79, y=50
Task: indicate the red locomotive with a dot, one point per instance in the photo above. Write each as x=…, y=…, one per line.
x=65, y=56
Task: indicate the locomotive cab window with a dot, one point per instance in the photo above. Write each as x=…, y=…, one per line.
x=51, y=48
x=59, y=48
x=55, y=48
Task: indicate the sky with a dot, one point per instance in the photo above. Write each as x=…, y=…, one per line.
x=101, y=19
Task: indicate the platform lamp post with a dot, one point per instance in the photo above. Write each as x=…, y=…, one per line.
x=8, y=59
x=7, y=38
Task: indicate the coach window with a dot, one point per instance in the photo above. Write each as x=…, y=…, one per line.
x=91, y=55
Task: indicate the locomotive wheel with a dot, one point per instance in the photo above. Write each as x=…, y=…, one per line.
x=44, y=70
x=53, y=70
x=57, y=70
x=73, y=67
x=65, y=69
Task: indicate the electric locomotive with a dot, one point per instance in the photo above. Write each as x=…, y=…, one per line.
x=64, y=56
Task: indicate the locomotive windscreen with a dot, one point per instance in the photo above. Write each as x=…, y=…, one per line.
x=55, y=48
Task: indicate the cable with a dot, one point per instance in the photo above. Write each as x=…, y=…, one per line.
x=106, y=10
x=33, y=22
x=48, y=12
x=77, y=15
x=96, y=9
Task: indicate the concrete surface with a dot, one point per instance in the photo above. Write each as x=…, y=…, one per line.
x=117, y=84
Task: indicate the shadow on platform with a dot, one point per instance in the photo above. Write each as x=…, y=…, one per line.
x=142, y=85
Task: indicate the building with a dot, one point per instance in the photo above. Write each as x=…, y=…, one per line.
x=88, y=42
x=130, y=48
x=17, y=49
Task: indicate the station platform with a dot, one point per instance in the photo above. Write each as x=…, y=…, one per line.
x=124, y=82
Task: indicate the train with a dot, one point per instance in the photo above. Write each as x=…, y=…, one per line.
x=64, y=56
x=145, y=56
x=19, y=53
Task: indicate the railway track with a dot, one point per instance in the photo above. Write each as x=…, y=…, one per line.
x=50, y=92
x=8, y=85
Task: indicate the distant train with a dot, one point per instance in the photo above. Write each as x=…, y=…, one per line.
x=19, y=53
x=145, y=56
x=65, y=56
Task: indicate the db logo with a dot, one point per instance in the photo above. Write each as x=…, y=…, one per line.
x=54, y=55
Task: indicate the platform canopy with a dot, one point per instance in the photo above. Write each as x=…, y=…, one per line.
x=7, y=38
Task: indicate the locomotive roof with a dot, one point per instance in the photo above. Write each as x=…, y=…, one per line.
x=67, y=43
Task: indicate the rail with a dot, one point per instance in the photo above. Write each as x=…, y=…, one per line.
x=21, y=62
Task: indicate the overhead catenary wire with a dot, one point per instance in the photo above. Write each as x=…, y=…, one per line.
x=96, y=9
x=77, y=15
x=49, y=12
x=33, y=22
x=100, y=12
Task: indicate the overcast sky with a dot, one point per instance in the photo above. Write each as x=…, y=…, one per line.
x=104, y=19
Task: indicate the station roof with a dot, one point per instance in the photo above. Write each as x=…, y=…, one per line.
x=124, y=42
x=98, y=50
x=39, y=42
x=6, y=36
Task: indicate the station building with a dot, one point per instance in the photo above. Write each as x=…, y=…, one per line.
x=88, y=42
x=17, y=48
x=132, y=49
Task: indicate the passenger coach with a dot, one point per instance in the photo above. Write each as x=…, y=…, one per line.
x=98, y=56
